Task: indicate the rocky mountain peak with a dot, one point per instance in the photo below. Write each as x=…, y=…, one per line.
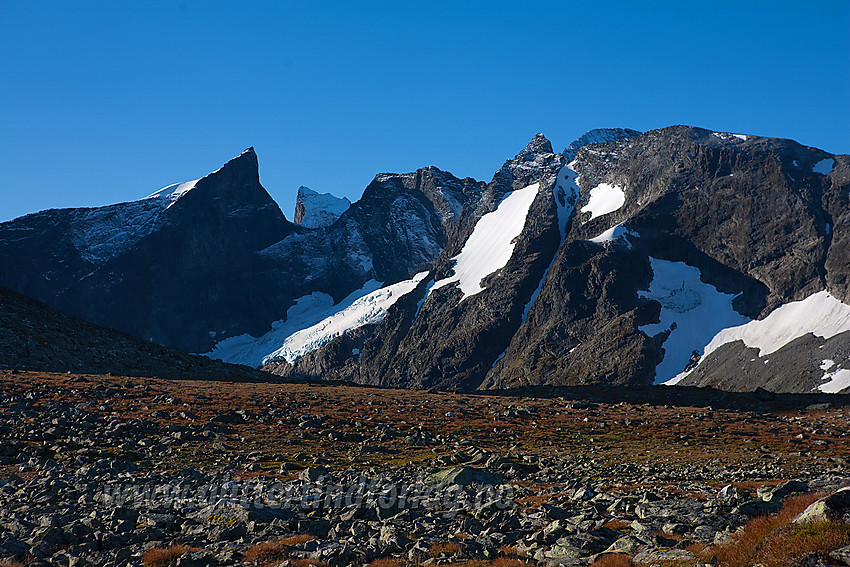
x=245, y=166
x=538, y=145
x=316, y=210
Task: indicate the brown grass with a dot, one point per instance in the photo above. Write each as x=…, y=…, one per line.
x=617, y=524
x=161, y=557
x=773, y=541
x=385, y=562
x=697, y=548
x=498, y=562
x=296, y=539
x=444, y=548
x=270, y=552
x=267, y=553
x=613, y=560
x=508, y=562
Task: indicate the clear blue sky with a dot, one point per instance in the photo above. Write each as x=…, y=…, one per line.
x=102, y=102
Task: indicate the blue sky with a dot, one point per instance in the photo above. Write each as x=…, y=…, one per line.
x=102, y=102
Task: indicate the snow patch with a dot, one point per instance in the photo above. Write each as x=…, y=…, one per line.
x=491, y=243
x=604, y=199
x=455, y=208
x=837, y=381
x=566, y=193
x=612, y=234
x=367, y=310
x=820, y=314
x=172, y=193
x=729, y=136
x=695, y=311
x=421, y=302
x=824, y=166
x=105, y=232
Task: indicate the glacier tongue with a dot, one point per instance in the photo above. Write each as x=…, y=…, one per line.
x=307, y=311
x=693, y=311
x=367, y=310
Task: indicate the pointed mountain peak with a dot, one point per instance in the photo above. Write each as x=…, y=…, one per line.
x=247, y=159
x=316, y=210
x=538, y=145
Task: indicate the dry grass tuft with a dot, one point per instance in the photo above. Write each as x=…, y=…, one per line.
x=272, y=552
x=296, y=539
x=267, y=553
x=617, y=524
x=613, y=560
x=385, y=562
x=162, y=557
x=772, y=541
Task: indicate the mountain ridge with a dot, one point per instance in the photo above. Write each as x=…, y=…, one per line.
x=570, y=300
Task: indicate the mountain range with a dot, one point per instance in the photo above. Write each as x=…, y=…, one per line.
x=678, y=256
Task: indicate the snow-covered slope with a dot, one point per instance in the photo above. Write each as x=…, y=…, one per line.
x=307, y=311
x=491, y=243
x=820, y=314
x=369, y=309
x=316, y=210
x=692, y=311
x=172, y=193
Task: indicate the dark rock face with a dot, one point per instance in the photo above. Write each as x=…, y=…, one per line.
x=35, y=337
x=798, y=367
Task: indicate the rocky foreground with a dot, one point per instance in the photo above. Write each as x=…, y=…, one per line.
x=100, y=470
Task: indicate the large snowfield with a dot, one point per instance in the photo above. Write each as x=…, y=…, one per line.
x=698, y=310
x=313, y=322
x=491, y=243
x=820, y=314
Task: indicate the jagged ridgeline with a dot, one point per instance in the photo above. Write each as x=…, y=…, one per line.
x=678, y=255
